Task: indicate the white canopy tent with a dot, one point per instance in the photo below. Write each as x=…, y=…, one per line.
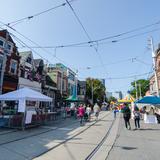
x=25, y=94
x=22, y=95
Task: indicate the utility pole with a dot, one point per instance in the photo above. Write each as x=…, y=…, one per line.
x=92, y=89
x=140, y=92
x=136, y=88
x=154, y=65
x=61, y=82
x=76, y=88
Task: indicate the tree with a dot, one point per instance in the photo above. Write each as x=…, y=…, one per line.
x=142, y=86
x=112, y=99
x=98, y=89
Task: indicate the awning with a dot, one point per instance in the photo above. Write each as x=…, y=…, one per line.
x=149, y=100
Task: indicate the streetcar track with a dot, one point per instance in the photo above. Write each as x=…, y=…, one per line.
x=68, y=139
x=17, y=130
x=94, y=151
x=9, y=132
x=117, y=136
x=43, y=132
x=36, y=134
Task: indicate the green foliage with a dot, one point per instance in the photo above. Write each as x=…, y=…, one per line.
x=142, y=85
x=98, y=89
x=112, y=99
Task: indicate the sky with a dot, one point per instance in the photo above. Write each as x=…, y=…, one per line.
x=100, y=18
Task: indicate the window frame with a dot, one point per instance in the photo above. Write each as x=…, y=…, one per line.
x=9, y=51
x=13, y=61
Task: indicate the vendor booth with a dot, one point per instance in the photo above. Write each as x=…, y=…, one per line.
x=22, y=108
x=151, y=108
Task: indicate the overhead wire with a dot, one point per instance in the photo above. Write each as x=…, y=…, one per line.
x=127, y=77
x=85, y=31
x=54, y=56
x=85, y=44
x=13, y=23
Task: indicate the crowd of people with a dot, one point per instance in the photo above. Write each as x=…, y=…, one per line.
x=125, y=109
x=83, y=112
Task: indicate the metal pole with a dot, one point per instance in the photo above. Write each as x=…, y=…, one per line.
x=61, y=83
x=136, y=88
x=92, y=89
x=154, y=65
x=76, y=83
x=140, y=94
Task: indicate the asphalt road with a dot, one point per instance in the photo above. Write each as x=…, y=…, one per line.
x=67, y=140
x=143, y=144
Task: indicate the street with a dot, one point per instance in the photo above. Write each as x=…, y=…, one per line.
x=98, y=140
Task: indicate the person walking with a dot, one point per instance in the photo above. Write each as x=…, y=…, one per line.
x=88, y=111
x=137, y=116
x=81, y=112
x=96, y=110
x=115, y=111
x=127, y=116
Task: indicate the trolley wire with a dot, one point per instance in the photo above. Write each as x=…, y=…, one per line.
x=85, y=31
x=30, y=40
x=13, y=23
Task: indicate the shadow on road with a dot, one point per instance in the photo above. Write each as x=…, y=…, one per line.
x=149, y=129
x=127, y=147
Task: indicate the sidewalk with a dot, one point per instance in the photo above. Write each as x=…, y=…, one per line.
x=140, y=144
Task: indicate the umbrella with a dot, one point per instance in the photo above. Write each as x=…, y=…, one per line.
x=149, y=100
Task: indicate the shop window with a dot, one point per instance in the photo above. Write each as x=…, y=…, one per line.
x=29, y=60
x=8, y=48
x=1, y=62
x=1, y=43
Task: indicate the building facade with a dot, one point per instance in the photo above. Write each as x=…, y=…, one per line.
x=153, y=89
x=9, y=63
x=108, y=95
x=72, y=83
x=28, y=75
x=58, y=73
x=81, y=90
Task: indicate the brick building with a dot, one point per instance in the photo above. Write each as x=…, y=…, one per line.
x=9, y=62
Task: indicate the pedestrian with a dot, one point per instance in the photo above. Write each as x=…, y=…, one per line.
x=127, y=116
x=81, y=112
x=96, y=110
x=137, y=116
x=115, y=111
x=72, y=108
x=88, y=111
